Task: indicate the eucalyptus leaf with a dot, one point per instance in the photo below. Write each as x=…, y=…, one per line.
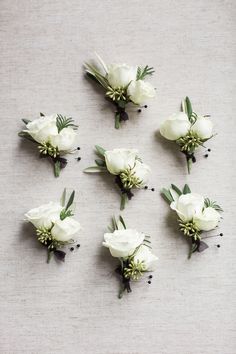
x=100, y=150
x=95, y=169
x=26, y=121
x=70, y=201
x=100, y=163
x=176, y=189
x=166, y=194
x=26, y=136
x=63, y=198
x=186, y=189
x=122, y=221
x=188, y=106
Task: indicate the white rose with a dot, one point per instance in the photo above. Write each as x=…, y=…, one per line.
x=187, y=206
x=118, y=160
x=64, y=230
x=65, y=140
x=139, y=91
x=147, y=257
x=142, y=171
x=120, y=75
x=175, y=126
x=45, y=215
x=123, y=243
x=208, y=219
x=203, y=127
x=43, y=128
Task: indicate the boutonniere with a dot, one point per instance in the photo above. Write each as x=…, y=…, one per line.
x=128, y=168
x=132, y=249
x=55, y=136
x=55, y=225
x=189, y=130
x=123, y=84
x=195, y=213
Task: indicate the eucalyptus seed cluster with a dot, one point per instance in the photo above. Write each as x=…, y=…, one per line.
x=190, y=229
x=47, y=149
x=129, y=179
x=134, y=270
x=44, y=235
x=116, y=94
x=189, y=142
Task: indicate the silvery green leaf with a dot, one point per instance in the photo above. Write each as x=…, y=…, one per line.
x=63, y=198
x=176, y=189
x=26, y=121
x=70, y=201
x=95, y=169
x=166, y=194
x=122, y=221
x=186, y=189
x=100, y=150
x=100, y=163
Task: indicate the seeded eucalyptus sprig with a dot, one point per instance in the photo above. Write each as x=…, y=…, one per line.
x=123, y=85
x=48, y=132
x=132, y=248
x=196, y=214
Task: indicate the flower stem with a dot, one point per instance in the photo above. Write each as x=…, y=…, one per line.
x=49, y=256
x=57, y=168
x=117, y=120
x=123, y=201
x=189, y=164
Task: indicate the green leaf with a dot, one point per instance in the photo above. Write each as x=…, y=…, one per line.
x=95, y=169
x=114, y=224
x=91, y=70
x=166, y=194
x=57, y=168
x=26, y=136
x=63, y=198
x=143, y=72
x=100, y=150
x=70, y=201
x=122, y=221
x=26, y=121
x=176, y=189
x=186, y=189
x=188, y=106
x=63, y=122
x=101, y=163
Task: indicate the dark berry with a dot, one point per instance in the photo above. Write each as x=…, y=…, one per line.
x=150, y=276
x=145, y=106
x=78, y=245
x=146, y=187
x=218, y=246
x=139, y=110
x=78, y=148
x=149, y=282
x=209, y=150
x=153, y=189
x=78, y=158
x=72, y=249
x=221, y=234
x=206, y=155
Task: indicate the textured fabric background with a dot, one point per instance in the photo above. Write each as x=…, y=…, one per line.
x=73, y=307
